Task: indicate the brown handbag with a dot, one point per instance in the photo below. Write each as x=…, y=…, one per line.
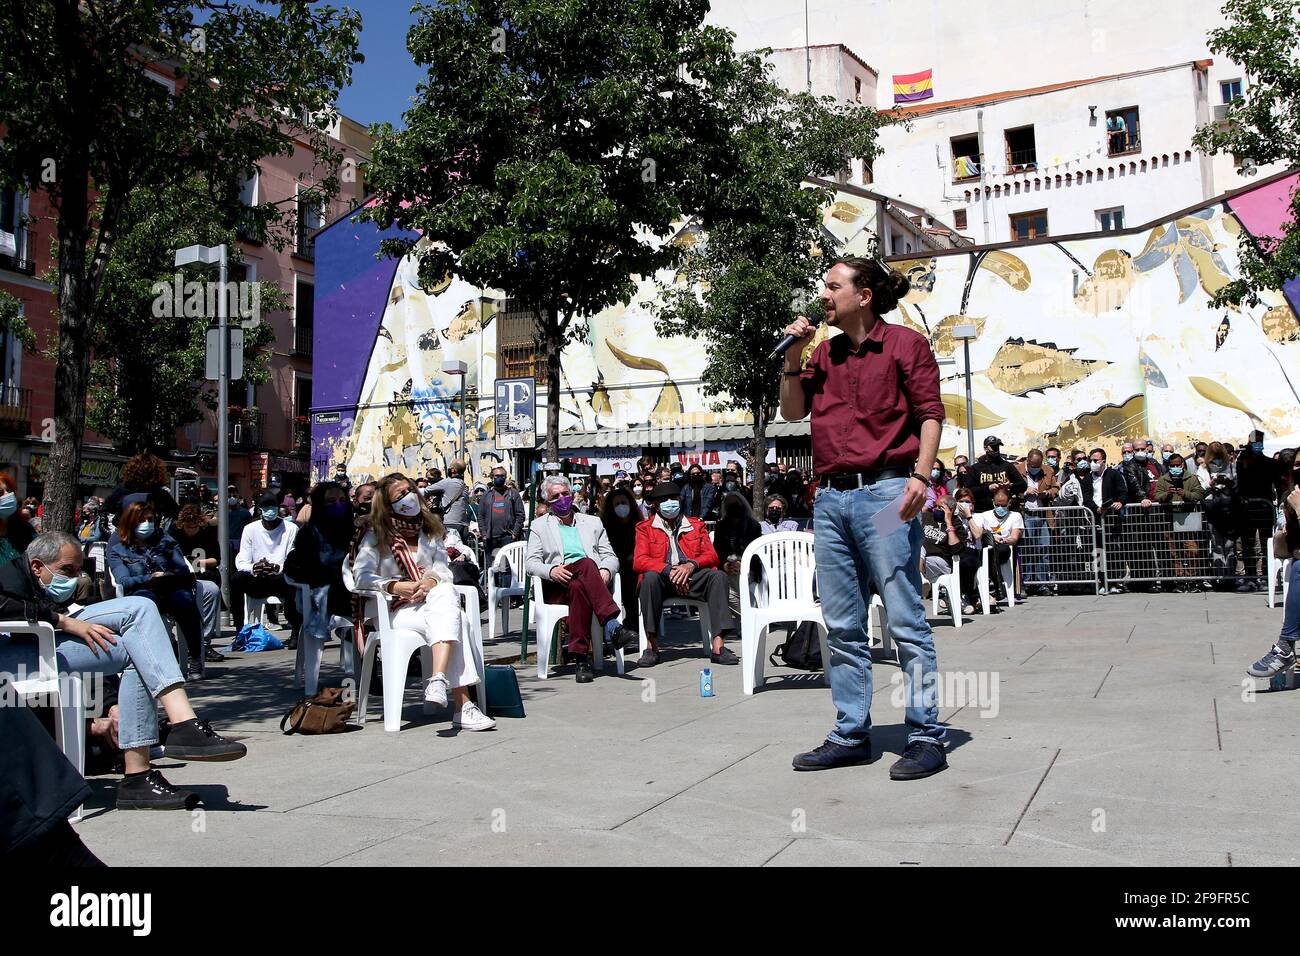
x=326, y=713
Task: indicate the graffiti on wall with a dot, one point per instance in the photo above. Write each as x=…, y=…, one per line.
x=1084, y=342
x=403, y=413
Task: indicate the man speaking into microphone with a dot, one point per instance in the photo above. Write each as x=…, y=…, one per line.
x=873, y=391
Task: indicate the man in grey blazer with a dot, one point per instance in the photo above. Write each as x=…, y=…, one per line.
x=571, y=553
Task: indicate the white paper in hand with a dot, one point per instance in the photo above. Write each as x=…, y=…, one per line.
x=888, y=519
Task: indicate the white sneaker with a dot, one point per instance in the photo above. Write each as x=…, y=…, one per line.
x=435, y=691
x=471, y=718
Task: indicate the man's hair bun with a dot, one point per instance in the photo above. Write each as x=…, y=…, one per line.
x=887, y=286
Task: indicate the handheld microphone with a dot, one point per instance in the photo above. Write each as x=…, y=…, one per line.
x=784, y=345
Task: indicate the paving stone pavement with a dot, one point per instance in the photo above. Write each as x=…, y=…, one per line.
x=1114, y=730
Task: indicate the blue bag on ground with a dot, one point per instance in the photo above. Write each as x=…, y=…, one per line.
x=255, y=637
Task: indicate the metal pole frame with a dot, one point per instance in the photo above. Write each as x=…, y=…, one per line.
x=970, y=411
x=223, y=428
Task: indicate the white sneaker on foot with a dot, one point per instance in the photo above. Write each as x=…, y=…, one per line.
x=471, y=718
x=435, y=691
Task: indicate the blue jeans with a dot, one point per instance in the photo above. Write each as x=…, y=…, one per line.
x=852, y=561
x=142, y=655
x=1035, y=550
x=1291, y=612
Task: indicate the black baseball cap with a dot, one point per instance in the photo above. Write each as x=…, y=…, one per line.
x=992, y=440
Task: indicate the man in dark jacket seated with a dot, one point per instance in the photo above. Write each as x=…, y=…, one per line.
x=124, y=636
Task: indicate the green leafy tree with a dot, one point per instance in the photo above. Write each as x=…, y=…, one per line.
x=148, y=352
x=550, y=148
x=87, y=120
x=766, y=247
x=1261, y=127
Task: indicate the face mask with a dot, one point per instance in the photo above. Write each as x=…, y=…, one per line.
x=61, y=588
x=1128, y=456
x=8, y=504
x=1035, y=471
x=1097, y=467
x=1165, y=455
x=363, y=507
x=1052, y=461
x=144, y=529
x=774, y=515
x=498, y=481
x=934, y=474
x=270, y=515
x=1176, y=471
x=1140, y=455
x=670, y=508
x=1257, y=447
x=697, y=479
x=636, y=490
x=1001, y=510
x=233, y=502
x=562, y=505
x=623, y=510
x=965, y=507
x=408, y=506
x=338, y=509
x=1081, y=466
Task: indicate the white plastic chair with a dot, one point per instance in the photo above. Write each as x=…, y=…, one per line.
x=548, y=618
x=706, y=622
x=788, y=565
x=307, y=660
x=1276, y=567
x=878, y=641
x=70, y=722
x=395, y=646
x=951, y=584
x=983, y=582
x=510, y=557
x=182, y=649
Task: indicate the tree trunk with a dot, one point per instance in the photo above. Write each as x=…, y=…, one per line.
x=552, y=339
x=758, y=453
x=72, y=369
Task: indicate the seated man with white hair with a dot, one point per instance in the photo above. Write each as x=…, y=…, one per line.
x=571, y=553
x=123, y=636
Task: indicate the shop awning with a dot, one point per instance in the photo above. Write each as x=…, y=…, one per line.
x=676, y=437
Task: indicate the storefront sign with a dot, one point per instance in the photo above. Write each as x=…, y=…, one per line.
x=97, y=472
x=607, y=460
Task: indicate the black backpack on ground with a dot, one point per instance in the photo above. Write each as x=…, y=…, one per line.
x=802, y=651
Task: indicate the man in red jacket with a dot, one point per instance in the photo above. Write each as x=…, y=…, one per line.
x=674, y=557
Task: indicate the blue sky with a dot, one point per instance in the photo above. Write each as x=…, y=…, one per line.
x=383, y=85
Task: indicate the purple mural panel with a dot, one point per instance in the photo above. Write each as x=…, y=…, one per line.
x=351, y=292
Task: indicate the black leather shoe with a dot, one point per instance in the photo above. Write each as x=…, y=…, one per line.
x=213, y=656
x=582, y=673
x=623, y=637
x=830, y=755
x=920, y=759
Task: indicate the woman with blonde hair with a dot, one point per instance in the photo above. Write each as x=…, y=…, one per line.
x=402, y=554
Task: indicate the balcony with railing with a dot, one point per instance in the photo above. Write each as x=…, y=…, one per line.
x=15, y=410
x=1123, y=142
x=247, y=430
x=305, y=246
x=1022, y=160
x=302, y=337
x=20, y=260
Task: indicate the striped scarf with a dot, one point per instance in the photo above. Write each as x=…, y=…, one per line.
x=398, y=528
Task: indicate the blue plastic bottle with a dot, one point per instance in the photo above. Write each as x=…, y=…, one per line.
x=706, y=683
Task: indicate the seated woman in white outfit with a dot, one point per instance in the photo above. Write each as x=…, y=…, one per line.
x=402, y=554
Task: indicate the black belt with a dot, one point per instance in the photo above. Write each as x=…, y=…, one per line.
x=849, y=480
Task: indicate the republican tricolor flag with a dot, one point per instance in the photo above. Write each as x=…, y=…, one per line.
x=910, y=87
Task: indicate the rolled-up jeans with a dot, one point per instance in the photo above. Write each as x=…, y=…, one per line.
x=853, y=560
x=142, y=655
x=1291, y=612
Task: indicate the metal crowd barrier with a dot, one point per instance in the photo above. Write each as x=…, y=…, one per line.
x=1061, y=545
x=1167, y=544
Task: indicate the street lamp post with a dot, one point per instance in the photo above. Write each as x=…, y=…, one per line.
x=965, y=333
x=208, y=255
x=461, y=369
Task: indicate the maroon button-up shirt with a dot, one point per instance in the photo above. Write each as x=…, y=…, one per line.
x=868, y=403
